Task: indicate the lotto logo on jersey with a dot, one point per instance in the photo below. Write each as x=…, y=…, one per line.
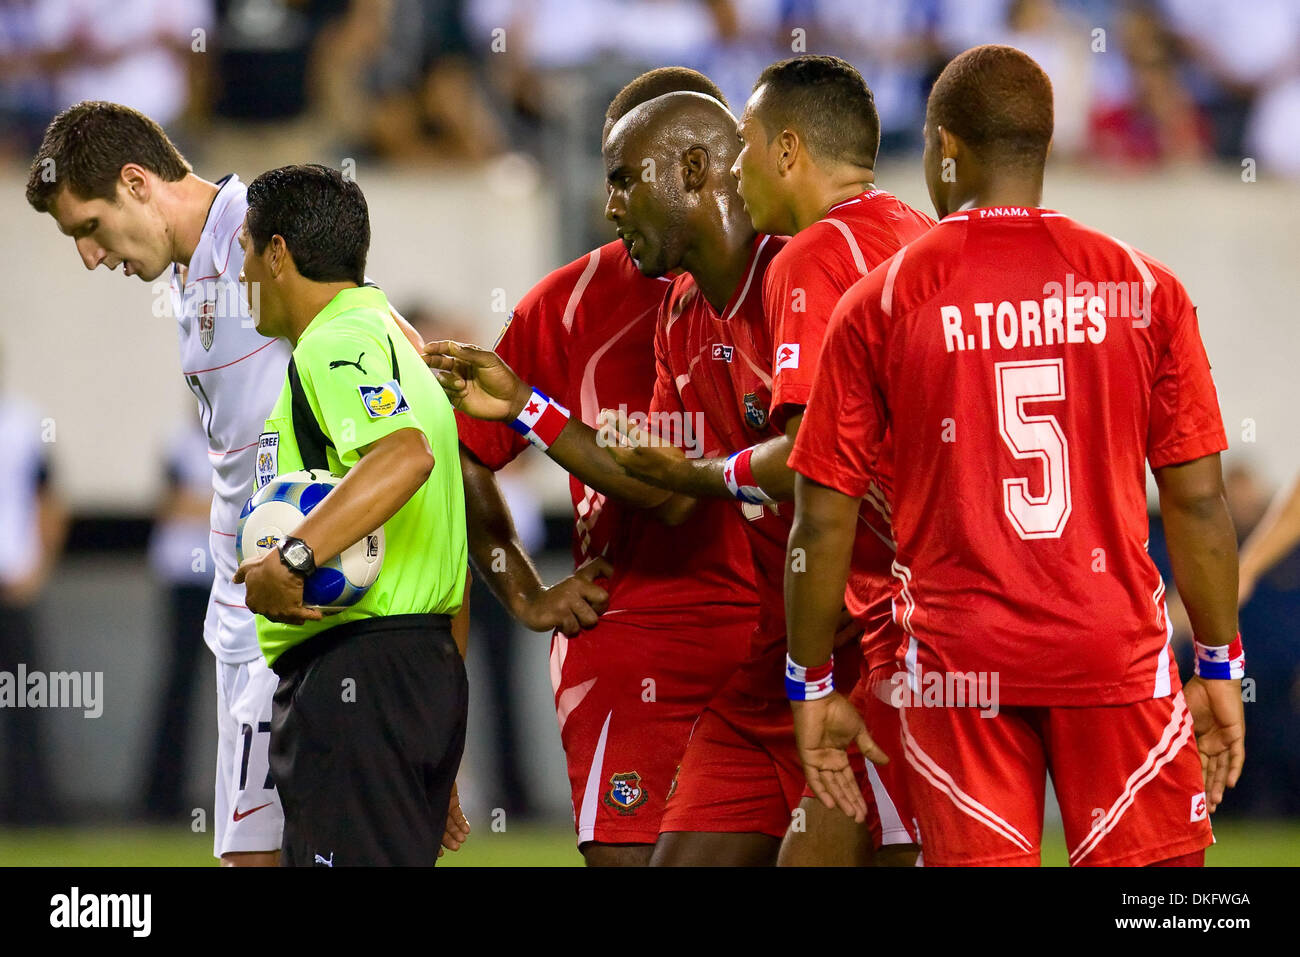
x=382, y=401
x=787, y=357
x=625, y=793
x=721, y=352
x=1199, y=808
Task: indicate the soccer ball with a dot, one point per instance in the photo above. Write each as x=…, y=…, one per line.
x=277, y=509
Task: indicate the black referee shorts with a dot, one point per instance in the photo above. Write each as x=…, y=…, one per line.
x=367, y=731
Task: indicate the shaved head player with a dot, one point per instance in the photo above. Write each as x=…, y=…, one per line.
x=629, y=687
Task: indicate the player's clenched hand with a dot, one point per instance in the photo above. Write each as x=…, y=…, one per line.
x=476, y=380
x=1219, y=720
x=456, y=832
x=273, y=591
x=571, y=605
x=823, y=729
x=640, y=454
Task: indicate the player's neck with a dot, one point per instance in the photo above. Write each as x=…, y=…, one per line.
x=1006, y=190
x=306, y=301
x=186, y=204
x=828, y=191
x=718, y=259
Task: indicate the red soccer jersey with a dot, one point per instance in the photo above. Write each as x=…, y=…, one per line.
x=717, y=367
x=1028, y=367
x=584, y=335
x=800, y=290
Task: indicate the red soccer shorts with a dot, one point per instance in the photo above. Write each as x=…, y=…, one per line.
x=626, y=697
x=883, y=786
x=741, y=771
x=1127, y=777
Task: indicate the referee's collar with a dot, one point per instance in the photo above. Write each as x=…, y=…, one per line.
x=354, y=297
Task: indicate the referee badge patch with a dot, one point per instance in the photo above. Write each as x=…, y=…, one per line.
x=268, y=457
x=382, y=401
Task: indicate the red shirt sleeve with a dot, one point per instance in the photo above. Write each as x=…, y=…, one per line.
x=1185, y=422
x=800, y=291
x=534, y=345
x=845, y=419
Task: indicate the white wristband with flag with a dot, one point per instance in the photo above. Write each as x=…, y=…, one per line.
x=541, y=420
x=808, y=684
x=738, y=475
x=1220, y=661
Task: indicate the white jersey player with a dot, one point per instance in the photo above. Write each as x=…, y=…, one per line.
x=113, y=181
x=235, y=374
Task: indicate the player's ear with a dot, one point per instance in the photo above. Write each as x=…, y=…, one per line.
x=949, y=143
x=135, y=182
x=788, y=144
x=695, y=168
x=279, y=255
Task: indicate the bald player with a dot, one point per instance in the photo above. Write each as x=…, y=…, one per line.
x=629, y=686
x=809, y=136
x=1023, y=417
x=674, y=200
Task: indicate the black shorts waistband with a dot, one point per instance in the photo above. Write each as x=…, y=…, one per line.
x=318, y=644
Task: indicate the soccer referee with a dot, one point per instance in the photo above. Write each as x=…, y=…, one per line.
x=368, y=723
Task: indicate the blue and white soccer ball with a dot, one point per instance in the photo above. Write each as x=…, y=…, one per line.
x=277, y=509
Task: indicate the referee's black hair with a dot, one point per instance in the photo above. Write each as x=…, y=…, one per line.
x=322, y=216
x=826, y=101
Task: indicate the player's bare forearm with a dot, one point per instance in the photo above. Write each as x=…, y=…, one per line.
x=1202, y=546
x=817, y=568
x=570, y=605
x=1276, y=536
x=391, y=470
x=460, y=623
x=579, y=453
x=494, y=545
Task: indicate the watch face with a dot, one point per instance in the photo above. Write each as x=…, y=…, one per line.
x=296, y=553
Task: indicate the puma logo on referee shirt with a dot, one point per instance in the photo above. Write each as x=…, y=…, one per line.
x=321, y=860
x=338, y=363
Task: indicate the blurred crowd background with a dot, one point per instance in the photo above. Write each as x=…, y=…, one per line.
x=433, y=92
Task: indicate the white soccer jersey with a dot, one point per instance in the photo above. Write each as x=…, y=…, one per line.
x=236, y=376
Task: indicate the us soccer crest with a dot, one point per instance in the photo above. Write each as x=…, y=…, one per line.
x=755, y=414
x=625, y=793
x=207, y=323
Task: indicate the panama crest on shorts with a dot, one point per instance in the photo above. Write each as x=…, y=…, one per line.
x=755, y=414
x=625, y=793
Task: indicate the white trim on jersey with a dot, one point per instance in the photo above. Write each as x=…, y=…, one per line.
x=571, y=307
x=887, y=293
x=858, y=262
x=749, y=278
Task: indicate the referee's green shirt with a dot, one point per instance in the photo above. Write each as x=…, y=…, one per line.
x=353, y=379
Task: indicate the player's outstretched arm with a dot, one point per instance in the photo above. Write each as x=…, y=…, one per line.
x=817, y=568
x=1276, y=536
x=503, y=562
x=391, y=470
x=642, y=454
x=479, y=383
x=1203, y=553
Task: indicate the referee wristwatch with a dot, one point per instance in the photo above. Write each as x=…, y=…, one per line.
x=297, y=556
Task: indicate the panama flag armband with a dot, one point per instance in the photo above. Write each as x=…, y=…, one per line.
x=541, y=421
x=738, y=475
x=807, y=684
x=1220, y=661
